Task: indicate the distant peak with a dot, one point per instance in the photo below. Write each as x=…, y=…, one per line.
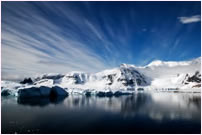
x=123, y=65
x=174, y=63
x=155, y=63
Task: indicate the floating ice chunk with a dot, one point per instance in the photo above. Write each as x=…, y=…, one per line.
x=6, y=92
x=58, y=91
x=42, y=91
x=45, y=91
x=29, y=92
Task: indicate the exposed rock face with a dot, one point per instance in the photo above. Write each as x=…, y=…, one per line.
x=50, y=76
x=195, y=78
x=75, y=78
x=110, y=78
x=45, y=82
x=131, y=77
x=197, y=86
x=27, y=80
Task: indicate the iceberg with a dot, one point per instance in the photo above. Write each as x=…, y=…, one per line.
x=41, y=91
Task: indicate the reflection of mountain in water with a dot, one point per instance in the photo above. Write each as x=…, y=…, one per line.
x=157, y=106
x=195, y=100
x=173, y=106
x=133, y=104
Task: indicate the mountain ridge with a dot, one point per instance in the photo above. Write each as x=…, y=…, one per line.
x=126, y=77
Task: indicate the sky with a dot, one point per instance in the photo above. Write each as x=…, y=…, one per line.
x=59, y=37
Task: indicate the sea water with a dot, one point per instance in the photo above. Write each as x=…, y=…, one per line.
x=156, y=112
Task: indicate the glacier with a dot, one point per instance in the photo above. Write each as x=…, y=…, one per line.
x=184, y=76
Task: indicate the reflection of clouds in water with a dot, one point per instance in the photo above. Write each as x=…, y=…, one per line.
x=109, y=104
x=173, y=106
x=157, y=106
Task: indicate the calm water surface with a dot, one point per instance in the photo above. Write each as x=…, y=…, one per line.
x=138, y=113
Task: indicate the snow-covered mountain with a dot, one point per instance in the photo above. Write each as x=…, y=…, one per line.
x=173, y=74
x=156, y=75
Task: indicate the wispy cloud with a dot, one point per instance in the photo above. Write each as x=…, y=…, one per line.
x=33, y=44
x=191, y=19
x=43, y=37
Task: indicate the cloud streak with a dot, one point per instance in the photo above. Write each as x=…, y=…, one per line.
x=34, y=44
x=191, y=19
x=59, y=37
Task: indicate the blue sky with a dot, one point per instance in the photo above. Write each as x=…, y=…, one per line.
x=58, y=37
